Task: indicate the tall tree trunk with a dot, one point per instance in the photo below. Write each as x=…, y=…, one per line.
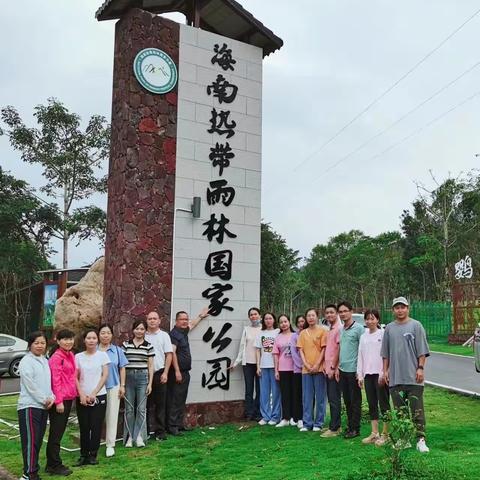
x=65, y=231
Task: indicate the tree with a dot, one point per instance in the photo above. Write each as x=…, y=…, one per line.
x=70, y=158
x=278, y=261
x=26, y=226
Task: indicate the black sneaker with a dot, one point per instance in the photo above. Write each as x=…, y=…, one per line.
x=185, y=429
x=160, y=437
x=351, y=434
x=175, y=433
x=60, y=470
x=81, y=462
x=91, y=460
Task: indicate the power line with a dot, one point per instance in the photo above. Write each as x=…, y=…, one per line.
x=388, y=90
x=419, y=130
x=403, y=117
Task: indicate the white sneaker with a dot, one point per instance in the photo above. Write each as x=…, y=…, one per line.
x=129, y=443
x=110, y=452
x=300, y=424
x=316, y=429
x=422, y=446
x=304, y=429
x=402, y=445
x=262, y=422
x=293, y=423
x=283, y=423
x=272, y=422
x=140, y=443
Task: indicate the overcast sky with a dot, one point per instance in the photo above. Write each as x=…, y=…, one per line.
x=338, y=57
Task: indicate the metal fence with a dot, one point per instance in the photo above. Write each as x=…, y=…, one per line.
x=436, y=317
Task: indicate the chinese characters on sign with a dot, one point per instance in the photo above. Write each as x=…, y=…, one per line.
x=463, y=268
x=219, y=263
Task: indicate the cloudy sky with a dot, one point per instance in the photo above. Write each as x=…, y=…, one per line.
x=339, y=57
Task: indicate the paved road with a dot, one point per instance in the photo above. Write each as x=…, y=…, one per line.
x=453, y=371
x=8, y=385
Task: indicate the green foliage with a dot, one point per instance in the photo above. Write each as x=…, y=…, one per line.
x=366, y=270
x=26, y=226
x=279, y=280
x=402, y=433
x=71, y=159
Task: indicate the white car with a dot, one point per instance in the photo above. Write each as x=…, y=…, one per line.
x=476, y=348
x=12, y=350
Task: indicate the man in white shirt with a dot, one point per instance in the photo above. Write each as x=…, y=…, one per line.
x=156, y=403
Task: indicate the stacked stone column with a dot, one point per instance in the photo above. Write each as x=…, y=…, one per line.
x=141, y=183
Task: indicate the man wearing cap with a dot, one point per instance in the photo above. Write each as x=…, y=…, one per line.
x=404, y=350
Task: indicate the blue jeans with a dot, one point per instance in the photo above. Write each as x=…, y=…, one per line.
x=314, y=394
x=135, y=404
x=270, y=408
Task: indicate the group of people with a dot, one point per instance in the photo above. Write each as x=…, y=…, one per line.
x=290, y=376
x=150, y=371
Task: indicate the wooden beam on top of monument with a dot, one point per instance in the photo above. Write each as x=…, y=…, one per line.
x=226, y=17
x=186, y=123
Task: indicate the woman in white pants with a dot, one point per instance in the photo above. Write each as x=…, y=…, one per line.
x=115, y=384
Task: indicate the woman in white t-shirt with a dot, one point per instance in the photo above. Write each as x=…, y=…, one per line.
x=247, y=356
x=92, y=365
x=270, y=408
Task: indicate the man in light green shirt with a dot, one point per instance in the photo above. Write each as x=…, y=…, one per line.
x=352, y=394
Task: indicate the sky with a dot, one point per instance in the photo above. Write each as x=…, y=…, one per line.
x=338, y=57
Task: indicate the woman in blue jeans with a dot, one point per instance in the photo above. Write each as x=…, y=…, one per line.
x=138, y=386
x=311, y=344
x=270, y=408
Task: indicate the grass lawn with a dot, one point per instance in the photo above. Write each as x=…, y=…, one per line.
x=247, y=451
x=441, y=345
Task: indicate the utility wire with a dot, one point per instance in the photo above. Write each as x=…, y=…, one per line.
x=403, y=117
x=388, y=90
x=419, y=130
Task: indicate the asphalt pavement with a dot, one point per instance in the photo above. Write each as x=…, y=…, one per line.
x=9, y=385
x=453, y=371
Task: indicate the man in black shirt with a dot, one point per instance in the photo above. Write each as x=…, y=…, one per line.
x=179, y=375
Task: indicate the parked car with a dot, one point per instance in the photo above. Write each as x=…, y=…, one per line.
x=476, y=347
x=12, y=350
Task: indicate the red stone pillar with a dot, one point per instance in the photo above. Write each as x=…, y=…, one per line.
x=141, y=182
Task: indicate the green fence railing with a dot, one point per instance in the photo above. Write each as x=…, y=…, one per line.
x=436, y=317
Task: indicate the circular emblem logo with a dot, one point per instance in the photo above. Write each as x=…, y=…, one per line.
x=155, y=70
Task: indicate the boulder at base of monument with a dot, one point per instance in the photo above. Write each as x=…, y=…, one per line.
x=81, y=306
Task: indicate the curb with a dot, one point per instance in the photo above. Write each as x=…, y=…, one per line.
x=452, y=354
x=468, y=393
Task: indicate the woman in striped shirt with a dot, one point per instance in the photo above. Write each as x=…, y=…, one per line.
x=139, y=378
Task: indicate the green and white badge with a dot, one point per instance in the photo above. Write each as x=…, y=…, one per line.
x=155, y=70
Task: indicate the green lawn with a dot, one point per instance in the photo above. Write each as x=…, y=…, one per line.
x=441, y=345
x=247, y=451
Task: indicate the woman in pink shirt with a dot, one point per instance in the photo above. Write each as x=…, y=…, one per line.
x=64, y=374
x=370, y=374
x=282, y=356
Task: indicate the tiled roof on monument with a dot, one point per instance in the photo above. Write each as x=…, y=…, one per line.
x=224, y=17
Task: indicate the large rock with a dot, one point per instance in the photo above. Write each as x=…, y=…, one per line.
x=81, y=306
